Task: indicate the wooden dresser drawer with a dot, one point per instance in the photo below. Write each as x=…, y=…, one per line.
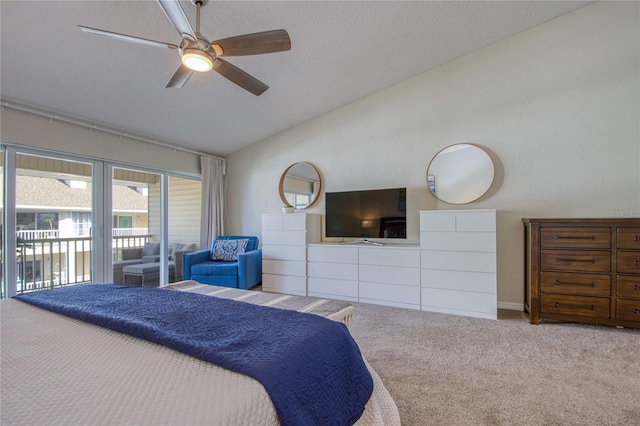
x=582, y=306
x=578, y=284
x=628, y=310
x=628, y=287
x=587, y=238
x=629, y=262
x=629, y=238
x=575, y=260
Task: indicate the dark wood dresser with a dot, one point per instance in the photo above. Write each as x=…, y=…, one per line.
x=583, y=270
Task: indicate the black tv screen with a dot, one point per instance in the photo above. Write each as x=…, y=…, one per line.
x=377, y=213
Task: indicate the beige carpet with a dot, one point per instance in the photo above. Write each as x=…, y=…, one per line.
x=452, y=370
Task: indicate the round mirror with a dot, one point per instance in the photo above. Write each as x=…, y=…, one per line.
x=300, y=185
x=460, y=173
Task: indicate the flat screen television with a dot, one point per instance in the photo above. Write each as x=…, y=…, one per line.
x=376, y=213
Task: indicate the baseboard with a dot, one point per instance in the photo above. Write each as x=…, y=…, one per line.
x=511, y=306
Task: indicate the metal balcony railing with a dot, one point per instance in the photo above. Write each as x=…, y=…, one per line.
x=45, y=263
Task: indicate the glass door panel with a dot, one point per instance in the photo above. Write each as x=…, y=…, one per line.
x=136, y=230
x=3, y=290
x=184, y=220
x=53, y=222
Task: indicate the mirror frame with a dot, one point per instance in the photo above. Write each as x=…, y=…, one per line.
x=316, y=192
x=477, y=195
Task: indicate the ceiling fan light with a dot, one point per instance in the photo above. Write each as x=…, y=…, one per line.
x=197, y=60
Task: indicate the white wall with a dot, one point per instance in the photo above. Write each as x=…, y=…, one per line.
x=557, y=107
x=35, y=131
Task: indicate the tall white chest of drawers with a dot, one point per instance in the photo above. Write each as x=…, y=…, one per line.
x=284, y=251
x=458, y=262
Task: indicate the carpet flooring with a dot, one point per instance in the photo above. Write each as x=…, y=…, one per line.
x=452, y=370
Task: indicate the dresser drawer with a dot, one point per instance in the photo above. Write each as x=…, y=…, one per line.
x=629, y=238
x=628, y=287
x=628, y=310
x=574, y=260
x=284, y=267
x=577, y=284
x=291, y=238
x=587, y=238
x=629, y=262
x=581, y=306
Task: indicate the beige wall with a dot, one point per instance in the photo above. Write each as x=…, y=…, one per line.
x=557, y=107
x=27, y=129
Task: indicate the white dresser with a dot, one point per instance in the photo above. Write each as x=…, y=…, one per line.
x=333, y=271
x=458, y=262
x=385, y=275
x=284, y=251
x=390, y=276
x=453, y=270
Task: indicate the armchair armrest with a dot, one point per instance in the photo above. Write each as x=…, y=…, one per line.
x=190, y=259
x=249, y=269
x=178, y=269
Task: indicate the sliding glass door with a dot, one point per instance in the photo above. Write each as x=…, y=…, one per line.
x=136, y=198
x=184, y=220
x=68, y=221
x=53, y=222
x=2, y=248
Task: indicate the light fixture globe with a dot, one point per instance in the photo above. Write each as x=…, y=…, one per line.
x=197, y=60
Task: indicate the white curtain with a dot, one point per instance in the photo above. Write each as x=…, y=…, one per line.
x=212, y=214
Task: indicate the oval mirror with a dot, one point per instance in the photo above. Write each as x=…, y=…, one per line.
x=300, y=185
x=460, y=173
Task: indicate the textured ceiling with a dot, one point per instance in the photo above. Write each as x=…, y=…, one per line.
x=341, y=52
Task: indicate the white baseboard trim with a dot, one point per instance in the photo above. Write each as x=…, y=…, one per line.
x=511, y=306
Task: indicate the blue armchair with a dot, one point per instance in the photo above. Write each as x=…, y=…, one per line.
x=246, y=272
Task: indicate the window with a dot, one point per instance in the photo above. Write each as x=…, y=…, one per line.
x=81, y=223
x=47, y=221
x=123, y=222
x=25, y=221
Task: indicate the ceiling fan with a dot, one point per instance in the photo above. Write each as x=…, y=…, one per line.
x=201, y=55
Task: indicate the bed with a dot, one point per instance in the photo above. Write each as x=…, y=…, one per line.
x=57, y=369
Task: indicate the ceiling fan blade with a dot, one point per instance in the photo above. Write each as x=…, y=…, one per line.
x=179, y=78
x=253, y=44
x=128, y=38
x=239, y=77
x=176, y=15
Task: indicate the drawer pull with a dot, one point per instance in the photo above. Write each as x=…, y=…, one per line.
x=637, y=262
x=561, y=237
x=636, y=287
x=560, y=259
x=637, y=238
x=591, y=307
x=557, y=304
x=591, y=284
x=636, y=311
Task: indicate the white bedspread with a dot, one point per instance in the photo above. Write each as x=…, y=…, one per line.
x=57, y=370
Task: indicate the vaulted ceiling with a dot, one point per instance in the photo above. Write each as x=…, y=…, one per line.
x=340, y=52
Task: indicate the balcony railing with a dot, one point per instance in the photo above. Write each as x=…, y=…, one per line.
x=49, y=262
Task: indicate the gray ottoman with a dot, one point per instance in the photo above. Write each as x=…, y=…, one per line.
x=145, y=274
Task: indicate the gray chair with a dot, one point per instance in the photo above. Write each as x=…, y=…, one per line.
x=135, y=256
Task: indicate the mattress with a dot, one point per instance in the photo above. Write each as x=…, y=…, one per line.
x=57, y=370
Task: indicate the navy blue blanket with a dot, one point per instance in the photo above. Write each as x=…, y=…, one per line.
x=310, y=366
